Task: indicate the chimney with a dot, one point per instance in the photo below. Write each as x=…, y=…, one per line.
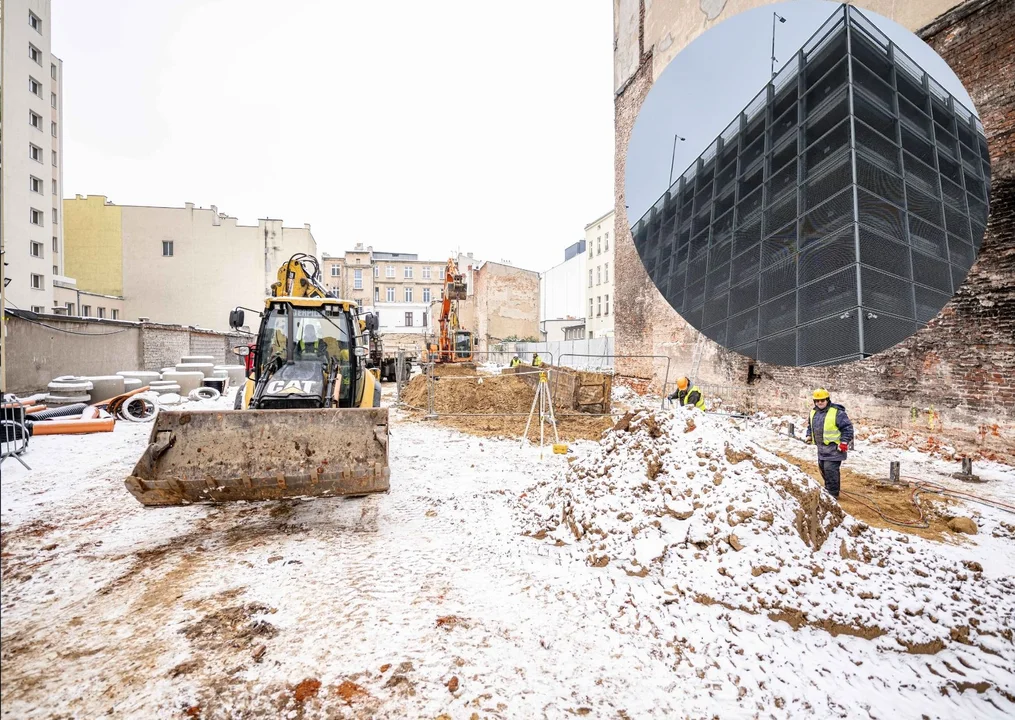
x=306, y=226
x=215, y=220
x=190, y=206
x=78, y=197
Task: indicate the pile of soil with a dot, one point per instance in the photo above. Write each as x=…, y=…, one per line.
x=460, y=390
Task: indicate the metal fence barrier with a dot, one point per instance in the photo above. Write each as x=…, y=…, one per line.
x=14, y=440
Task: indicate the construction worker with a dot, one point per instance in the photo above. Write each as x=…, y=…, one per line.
x=687, y=394
x=536, y=360
x=516, y=361
x=831, y=430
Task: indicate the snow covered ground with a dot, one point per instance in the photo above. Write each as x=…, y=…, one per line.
x=464, y=592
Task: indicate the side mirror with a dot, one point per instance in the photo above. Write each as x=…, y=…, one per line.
x=241, y=350
x=373, y=321
x=236, y=319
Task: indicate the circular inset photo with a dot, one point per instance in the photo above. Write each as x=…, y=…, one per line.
x=807, y=183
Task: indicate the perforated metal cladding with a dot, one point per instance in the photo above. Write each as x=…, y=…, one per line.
x=829, y=220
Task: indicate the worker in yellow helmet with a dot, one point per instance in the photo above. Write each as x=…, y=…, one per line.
x=831, y=430
x=687, y=394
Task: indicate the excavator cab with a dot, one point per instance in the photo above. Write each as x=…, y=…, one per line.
x=309, y=421
x=463, y=346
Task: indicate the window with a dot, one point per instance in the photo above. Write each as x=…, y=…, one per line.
x=408, y=319
x=377, y=294
x=426, y=276
x=35, y=184
x=34, y=86
x=426, y=295
x=56, y=270
x=599, y=275
x=424, y=318
x=54, y=188
x=389, y=294
x=606, y=241
x=407, y=272
x=36, y=217
x=38, y=309
x=167, y=248
x=377, y=271
x=599, y=245
x=35, y=120
x=34, y=22
x=52, y=70
x=35, y=152
x=606, y=305
x=86, y=311
x=38, y=282
x=35, y=54
x=606, y=273
x=590, y=277
x=334, y=271
x=56, y=245
x=599, y=306
x=100, y=312
x=590, y=307
x=54, y=158
x=114, y=314
x=389, y=271
x=70, y=308
x=357, y=279
x=55, y=217
x=408, y=294
x=52, y=99
x=52, y=128
x=36, y=249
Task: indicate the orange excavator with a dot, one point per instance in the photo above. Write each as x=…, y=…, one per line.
x=453, y=345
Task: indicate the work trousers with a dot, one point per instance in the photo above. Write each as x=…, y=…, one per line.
x=830, y=473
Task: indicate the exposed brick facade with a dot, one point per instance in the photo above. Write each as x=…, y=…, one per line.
x=954, y=377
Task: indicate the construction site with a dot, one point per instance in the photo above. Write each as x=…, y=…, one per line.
x=302, y=517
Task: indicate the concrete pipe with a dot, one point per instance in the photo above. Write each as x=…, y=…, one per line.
x=204, y=368
x=166, y=389
x=105, y=387
x=59, y=400
x=202, y=359
x=204, y=393
x=164, y=370
x=186, y=380
x=145, y=376
x=130, y=383
x=68, y=386
x=236, y=373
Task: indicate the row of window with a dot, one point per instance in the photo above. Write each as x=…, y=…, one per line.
x=390, y=271
x=37, y=217
x=602, y=306
x=602, y=274
x=602, y=244
x=410, y=316
x=36, y=185
x=35, y=87
x=35, y=120
x=36, y=55
x=36, y=249
x=35, y=153
x=407, y=294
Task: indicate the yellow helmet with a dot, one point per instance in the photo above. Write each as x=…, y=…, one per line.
x=682, y=383
x=820, y=394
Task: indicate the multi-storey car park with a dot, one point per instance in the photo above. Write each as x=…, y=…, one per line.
x=834, y=216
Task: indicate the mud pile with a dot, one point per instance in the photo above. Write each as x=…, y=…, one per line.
x=688, y=501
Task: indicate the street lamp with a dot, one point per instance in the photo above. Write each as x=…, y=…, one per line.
x=673, y=156
x=781, y=19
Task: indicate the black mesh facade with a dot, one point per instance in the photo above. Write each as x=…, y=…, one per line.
x=834, y=216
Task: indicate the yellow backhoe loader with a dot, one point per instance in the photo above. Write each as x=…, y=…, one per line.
x=307, y=422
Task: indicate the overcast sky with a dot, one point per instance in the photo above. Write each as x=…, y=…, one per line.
x=410, y=126
x=714, y=78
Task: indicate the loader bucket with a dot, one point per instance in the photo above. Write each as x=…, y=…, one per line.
x=211, y=456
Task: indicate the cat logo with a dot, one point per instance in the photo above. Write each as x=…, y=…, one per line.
x=281, y=387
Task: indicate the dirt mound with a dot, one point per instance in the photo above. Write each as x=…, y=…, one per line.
x=700, y=509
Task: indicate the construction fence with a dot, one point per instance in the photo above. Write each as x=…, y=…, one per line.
x=588, y=353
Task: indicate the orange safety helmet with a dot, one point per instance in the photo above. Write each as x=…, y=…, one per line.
x=682, y=383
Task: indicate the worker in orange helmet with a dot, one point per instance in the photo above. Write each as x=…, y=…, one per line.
x=831, y=430
x=687, y=394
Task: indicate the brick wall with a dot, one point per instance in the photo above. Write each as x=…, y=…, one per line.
x=957, y=375
x=163, y=346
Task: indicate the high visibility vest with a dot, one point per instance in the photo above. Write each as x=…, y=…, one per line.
x=515, y=362
x=830, y=434
x=537, y=361
x=701, y=398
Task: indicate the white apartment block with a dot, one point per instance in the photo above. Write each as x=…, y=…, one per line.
x=32, y=157
x=562, y=297
x=599, y=267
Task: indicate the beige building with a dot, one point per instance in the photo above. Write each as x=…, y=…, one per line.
x=69, y=299
x=32, y=157
x=179, y=265
x=599, y=296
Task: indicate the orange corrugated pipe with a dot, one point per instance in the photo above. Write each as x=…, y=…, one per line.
x=73, y=427
x=34, y=409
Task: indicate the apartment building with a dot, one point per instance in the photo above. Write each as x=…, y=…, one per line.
x=562, y=294
x=599, y=309
x=32, y=157
x=180, y=265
